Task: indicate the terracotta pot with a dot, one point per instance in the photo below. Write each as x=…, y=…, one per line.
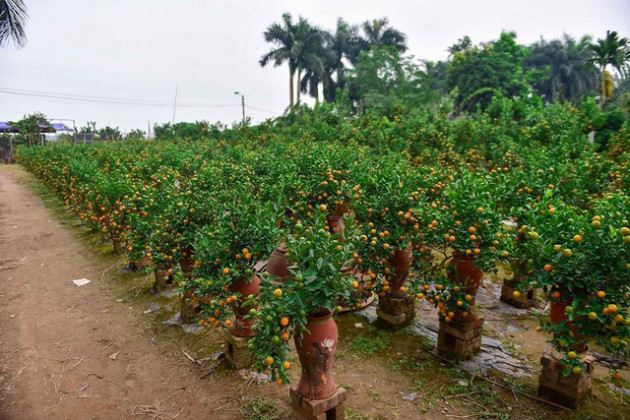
x=162, y=278
x=278, y=264
x=558, y=316
x=187, y=263
x=354, y=295
x=189, y=308
x=336, y=225
x=243, y=327
x=400, y=263
x=342, y=208
x=117, y=243
x=463, y=271
x=315, y=350
x=144, y=262
x=288, y=213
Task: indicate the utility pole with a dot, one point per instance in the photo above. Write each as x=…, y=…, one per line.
x=243, y=106
x=148, y=129
x=175, y=104
x=236, y=92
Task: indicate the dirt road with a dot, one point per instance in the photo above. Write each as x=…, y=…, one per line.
x=69, y=352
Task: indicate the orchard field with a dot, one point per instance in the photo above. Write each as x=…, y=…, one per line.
x=266, y=231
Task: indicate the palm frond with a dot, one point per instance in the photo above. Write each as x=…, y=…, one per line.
x=13, y=17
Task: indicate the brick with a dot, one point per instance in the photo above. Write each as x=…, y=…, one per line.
x=460, y=339
x=396, y=306
x=525, y=300
x=236, y=350
x=331, y=408
x=395, y=313
x=569, y=390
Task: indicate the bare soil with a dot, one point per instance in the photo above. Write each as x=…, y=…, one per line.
x=103, y=350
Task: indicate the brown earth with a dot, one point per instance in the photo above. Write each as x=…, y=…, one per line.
x=102, y=351
x=57, y=338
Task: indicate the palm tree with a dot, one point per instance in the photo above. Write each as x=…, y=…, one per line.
x=282, y=35
x=566, y=76
x=345, y=43
x=13, y=17
x=611, y=51
x=378, y=33
x=308, y=52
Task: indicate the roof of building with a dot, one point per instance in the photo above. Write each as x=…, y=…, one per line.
x=60, y=127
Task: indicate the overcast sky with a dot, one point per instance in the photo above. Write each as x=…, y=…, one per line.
x=142, y=49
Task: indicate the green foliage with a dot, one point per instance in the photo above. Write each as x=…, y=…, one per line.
x=415, y=182
x=365, y=346
x=479, y=73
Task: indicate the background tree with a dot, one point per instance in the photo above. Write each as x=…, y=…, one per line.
x=135, y=134
x=282, y=36
x=481, y=71
x=108, y=133
x=433, y=82
x=560, y=63
x=461, y=45
x=378, y=33
x=13, y=17
x=341, y=48
x=610, y=51
x=31, y=126
x=309, y=55
x=89, y=127
x=385, y=80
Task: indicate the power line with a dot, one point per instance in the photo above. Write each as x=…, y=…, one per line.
x=264, y=110
x=119, y=101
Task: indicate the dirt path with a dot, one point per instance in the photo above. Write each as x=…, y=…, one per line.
x=57, y=340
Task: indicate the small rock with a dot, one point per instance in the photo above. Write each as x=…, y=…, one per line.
x=408, y=397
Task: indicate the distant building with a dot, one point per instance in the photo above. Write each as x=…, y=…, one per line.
x=5, y=127
x=57, y=130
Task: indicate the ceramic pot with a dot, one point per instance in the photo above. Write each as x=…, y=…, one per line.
x=315, y=350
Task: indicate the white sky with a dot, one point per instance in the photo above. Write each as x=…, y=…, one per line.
x=142, y=49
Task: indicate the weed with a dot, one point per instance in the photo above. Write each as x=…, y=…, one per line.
x=259, y=409
x=417, y=385
x=369, y=345
x=350, y=415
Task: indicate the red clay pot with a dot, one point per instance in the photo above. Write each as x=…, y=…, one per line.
x=558, y=316
x=315, y=350
x=243, y=327
x=400, y=263
x=336, y=226
x=278, y=264
x=464, y=272
x=342, y=208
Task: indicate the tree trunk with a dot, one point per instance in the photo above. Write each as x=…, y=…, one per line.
x=291, y=71
x=602, y=98
x=299, y=90
x=317, y=94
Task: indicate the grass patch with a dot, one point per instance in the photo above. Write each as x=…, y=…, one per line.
x=366, y=346
x=259, y=409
